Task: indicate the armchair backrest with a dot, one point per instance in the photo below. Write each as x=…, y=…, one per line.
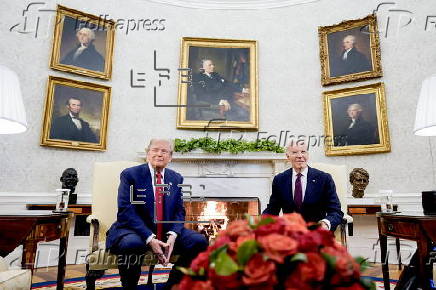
x=340, y=177
x=105, y=191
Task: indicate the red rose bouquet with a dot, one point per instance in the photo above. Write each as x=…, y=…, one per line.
x=275, y=253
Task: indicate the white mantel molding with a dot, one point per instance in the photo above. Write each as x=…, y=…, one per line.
x=276, y=161
x=249, y=156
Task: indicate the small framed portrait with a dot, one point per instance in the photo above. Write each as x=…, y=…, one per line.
x=350, y=51
x=82, y=44
x=222, y=89
x=76, y=114
x=355, y=121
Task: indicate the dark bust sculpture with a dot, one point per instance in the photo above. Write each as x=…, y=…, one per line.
x=69, y=181
x=359, y=178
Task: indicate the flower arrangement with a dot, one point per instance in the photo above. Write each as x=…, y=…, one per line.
x=275, y=253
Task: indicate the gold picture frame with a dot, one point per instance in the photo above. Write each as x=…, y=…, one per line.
x=355, y=121
x=75, y=114
x=222, y=97
x=82, y=44
x=350, y=51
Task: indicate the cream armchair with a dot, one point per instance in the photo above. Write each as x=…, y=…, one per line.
x=106, y=179
x=340, y=177
x=18, y=279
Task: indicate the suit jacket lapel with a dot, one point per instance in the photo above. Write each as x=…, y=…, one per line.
x=149, y=193
x=288, y=189
x=310, y=185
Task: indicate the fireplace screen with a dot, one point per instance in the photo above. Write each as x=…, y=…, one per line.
x=209, y=215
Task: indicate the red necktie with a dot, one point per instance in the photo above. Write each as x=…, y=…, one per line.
x=298, y=192
x=159, y=206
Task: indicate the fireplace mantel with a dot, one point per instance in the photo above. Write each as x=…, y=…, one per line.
x=277, y=160
x=247, y=174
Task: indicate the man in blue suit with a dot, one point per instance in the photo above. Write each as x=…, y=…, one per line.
x=135, y=229
x=305, y=190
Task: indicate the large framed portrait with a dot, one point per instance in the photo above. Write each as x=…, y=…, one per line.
x=82, y=43
x=350, y=51
x=76, y=114
x=355, y=121
x=223, y=91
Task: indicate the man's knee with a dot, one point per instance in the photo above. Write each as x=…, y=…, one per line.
x=131, y=243
x=200, y=242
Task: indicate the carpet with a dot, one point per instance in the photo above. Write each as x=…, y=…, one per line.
x=111, y=281
x=159, y=278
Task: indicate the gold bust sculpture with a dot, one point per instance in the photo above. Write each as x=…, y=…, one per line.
x=359, y=178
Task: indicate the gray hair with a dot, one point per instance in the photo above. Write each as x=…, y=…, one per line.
x=351, y=37
x=88, y=31
x=357, y=106
x=298, y=142
x=170, y=143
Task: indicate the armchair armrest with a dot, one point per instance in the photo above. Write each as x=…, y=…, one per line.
x=95, y=226
x=348, y=220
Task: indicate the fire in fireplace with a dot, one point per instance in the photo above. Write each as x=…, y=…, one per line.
x=209, y=215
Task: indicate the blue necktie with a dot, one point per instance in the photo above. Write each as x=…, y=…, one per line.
x=298, y=193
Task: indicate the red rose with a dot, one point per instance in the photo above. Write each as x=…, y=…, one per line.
x=313, y=240
x=201, y=261
x=347, y=271
x=238, y=228
x=225, y=282
x=307, y=274
x=259, y=273
x=294, y=218
x=222, y=240
x=277, y=226
x=233, y=246
x=277, y=247
x=188, y=284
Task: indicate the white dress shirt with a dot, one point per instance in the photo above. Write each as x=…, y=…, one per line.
x=153, y=174
x=303, y=179
x=76, y=121
x=345, y=55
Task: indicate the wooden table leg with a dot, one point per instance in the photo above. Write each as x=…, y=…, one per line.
x=29, y=255
x=63, y=244
x=62, y=263
x=397, y=244
x=384, y=260
x=424, y=272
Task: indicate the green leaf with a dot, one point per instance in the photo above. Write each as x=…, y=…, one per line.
x=246, y=250
x=224, y=265
x=331, y=260
x=363, y=262
x=264, y=221
x=298, y=257
x=214, y=255
x=368, y=284
x=186, y=271
x=201, y=272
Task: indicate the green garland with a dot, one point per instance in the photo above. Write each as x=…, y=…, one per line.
x=210, y=145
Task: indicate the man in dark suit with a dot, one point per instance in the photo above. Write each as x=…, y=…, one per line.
x=305, y=190
x=351, y=59
x=211, y=89
x=70, y=126
x=136, y=229
x=84, y=54
x=358, y=131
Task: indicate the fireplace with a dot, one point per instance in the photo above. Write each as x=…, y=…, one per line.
x=209, y=215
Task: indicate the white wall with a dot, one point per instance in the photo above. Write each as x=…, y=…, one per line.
x=289, y=79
